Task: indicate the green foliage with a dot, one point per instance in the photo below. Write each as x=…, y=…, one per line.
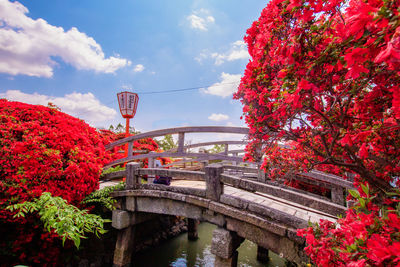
x=66, y=220
x=362, y=200
x=167, y=143
x=121, y=129
x=102, y=197
x=217, y=149
x=113, y=169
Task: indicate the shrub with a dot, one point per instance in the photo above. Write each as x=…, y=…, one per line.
x=42, y=150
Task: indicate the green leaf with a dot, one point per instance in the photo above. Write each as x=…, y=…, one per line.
x=66, y=220
x=77, y=242
x=354, y=193
x=365, y=189
x=362, y=202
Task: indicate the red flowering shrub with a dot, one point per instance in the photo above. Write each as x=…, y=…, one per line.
x=324, y=75
x=42, y=150
x=367, y=236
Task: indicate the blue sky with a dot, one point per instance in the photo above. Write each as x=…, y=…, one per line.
x=80, y=54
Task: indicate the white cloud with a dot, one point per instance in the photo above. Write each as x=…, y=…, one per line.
x=238, y=51
x=218, y=117
x=225, y=88
x=210, y=19
x=27, y=46
x=138, y=68
x=200, y=20
x=203, y=55
x=84, y=106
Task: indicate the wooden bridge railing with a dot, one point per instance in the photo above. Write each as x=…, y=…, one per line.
x=180, y=151
x=215, y=181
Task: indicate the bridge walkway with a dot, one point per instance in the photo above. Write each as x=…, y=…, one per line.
x=291, y=208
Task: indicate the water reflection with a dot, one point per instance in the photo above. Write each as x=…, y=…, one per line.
x=180, y=252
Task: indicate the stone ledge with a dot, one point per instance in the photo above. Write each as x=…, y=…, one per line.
x=249, y=218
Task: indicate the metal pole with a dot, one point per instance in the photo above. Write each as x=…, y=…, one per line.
x=127, y=135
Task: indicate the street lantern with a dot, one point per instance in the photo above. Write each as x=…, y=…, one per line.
x=127, y=102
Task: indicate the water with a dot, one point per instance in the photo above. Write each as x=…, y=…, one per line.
x=180, y=252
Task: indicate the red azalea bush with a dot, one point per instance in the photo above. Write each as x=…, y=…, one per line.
x=42, y=150
x=369, y=235
x=324, y=78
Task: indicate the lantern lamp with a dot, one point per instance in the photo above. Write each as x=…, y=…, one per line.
x=127, y=102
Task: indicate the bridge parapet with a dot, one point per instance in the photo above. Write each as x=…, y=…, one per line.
x=268, y=226
x=336, y=184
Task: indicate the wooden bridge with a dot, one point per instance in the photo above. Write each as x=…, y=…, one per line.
x=258, y=209
x=181, y=150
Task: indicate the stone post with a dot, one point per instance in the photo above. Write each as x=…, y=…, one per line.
x=235, y=154
x=150, y=164
x=130, y=149
x=121, y=220
x=350, y=177
x=181, y=142
x=124, y=247
x=337, y=195
x=192, y=229
x=223, y=245
x=214, y=187
x=261, y=175
x=132, y=177
x=262, y=254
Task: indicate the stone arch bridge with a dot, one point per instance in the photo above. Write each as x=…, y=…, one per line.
x=243, y=207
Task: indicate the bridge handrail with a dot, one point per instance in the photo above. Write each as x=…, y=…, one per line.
x=232, y=142
x=199, y=156
x=215, y=184
x=329, y=178
x=308, y=200
x=180, y=130
x=241, y=168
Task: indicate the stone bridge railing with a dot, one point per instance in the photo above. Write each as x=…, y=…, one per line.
x=181, y=149
x=237, y=218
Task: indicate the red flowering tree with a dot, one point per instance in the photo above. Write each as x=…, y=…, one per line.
x=42, y=150
x=322, y=90
x=324, y=75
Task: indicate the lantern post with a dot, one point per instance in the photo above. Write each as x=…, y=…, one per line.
x=127, y=102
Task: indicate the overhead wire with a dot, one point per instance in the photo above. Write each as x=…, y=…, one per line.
x=184, y=89
x=164, y=91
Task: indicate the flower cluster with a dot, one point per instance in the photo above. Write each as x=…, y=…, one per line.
x=42, y=150
x=367, y=236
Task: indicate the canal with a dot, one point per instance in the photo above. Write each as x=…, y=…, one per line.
x=180, y=252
